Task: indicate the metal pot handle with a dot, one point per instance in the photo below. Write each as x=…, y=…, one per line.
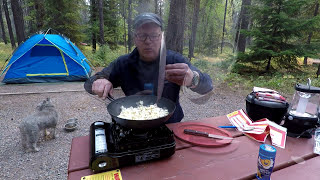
x=109, y=97
x=309, y=82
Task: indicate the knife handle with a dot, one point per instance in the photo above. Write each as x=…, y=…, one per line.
x=194, y=132
x=227, y=126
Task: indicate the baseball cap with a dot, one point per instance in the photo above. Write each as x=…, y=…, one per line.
x=147, y=18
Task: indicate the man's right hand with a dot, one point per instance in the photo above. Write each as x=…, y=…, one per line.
x=102, y=87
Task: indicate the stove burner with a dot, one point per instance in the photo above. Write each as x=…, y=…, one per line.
x=125, y=139
x=125, y=146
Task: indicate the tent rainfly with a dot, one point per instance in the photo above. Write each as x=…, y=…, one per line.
x=46, y=58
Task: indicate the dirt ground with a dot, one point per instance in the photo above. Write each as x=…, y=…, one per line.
x=71, y=101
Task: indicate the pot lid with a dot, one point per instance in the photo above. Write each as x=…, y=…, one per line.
x=200, y=140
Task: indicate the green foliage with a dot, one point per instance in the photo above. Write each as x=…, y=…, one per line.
x=5, y=53
x=203, y=65
x=217, y=67
x=283, y=81
x=209, y=30
x=112, y=20
x=64, y=19
x=279, y=31
x=103, y=56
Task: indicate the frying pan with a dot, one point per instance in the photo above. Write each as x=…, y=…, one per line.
x=114, y=109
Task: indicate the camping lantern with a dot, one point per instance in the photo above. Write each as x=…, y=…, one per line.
x=303, y=113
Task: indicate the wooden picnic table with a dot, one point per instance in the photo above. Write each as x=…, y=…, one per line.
x=237, y=160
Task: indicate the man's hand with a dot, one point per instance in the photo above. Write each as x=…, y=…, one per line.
x=179, y=73
x=102, y=87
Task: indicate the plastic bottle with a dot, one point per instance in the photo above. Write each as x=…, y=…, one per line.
x=149, y=86
x=266, y=160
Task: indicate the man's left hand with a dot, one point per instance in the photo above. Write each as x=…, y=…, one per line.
x=179, y=73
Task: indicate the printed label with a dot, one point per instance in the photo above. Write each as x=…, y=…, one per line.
x=266, y=163
x=260, y=129
x=110, y=175
x=316, y=148
x=148, y=156
x=101, y=143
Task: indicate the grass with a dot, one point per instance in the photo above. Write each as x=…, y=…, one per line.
x=282, y=80
x=103, y=55
x=221, y=69
x=5, y=53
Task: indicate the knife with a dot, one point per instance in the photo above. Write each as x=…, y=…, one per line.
x=204, y=134
x=162, y=65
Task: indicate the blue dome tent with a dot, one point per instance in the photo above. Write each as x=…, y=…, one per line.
x=46, y=58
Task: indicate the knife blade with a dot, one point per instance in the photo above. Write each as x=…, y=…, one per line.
x=162, y=65
x=204, y=134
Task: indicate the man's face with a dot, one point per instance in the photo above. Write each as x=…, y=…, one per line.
x=147, y=38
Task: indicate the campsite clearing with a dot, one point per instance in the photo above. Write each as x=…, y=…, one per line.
x=72, y=101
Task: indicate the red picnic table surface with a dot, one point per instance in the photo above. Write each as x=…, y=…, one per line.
x=237, y=160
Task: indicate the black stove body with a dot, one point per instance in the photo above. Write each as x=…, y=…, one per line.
x=113, y=146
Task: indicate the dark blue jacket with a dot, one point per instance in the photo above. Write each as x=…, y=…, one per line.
x=131, y=74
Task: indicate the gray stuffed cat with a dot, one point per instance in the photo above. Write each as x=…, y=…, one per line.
x=45, y=117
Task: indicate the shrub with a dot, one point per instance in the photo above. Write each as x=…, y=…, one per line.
x=103, y=56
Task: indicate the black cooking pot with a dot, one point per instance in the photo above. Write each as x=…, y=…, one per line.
x=273, y=111
x=114, y=109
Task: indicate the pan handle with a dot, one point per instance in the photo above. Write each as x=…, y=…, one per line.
x=110, y=97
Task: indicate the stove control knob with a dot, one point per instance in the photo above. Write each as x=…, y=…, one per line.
x=102, y=164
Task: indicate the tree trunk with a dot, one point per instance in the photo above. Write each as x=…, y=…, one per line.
x=318, y=71
x=144, y=6
x=275, y=29
x=204, y=30
x=234, y=22
x=18, y=20
x=305, y=61
x=2, y=27
x=101, y=22
x=176, y=23
x=93, y=4
x=249, y=38
x=5, y=8
x=156, y=7
x=269, y=64
x=244, y=16
x=224, y=25
x=130, y=44
x=124, y=24
x=40, y=13
x=160, y=9
x=236, y=39
x=194, y=28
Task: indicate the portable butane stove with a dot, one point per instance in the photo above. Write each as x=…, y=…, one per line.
x=113, y=146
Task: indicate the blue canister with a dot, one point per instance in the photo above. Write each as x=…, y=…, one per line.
x=266, y=159
x=149, y=87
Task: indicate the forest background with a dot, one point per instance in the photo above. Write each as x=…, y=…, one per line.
x=242, y=43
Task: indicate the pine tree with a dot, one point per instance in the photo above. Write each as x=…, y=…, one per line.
x=64, y=17
x=112, y=23
x=278, y=33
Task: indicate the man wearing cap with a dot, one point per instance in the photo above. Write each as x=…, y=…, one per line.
x=137, y=72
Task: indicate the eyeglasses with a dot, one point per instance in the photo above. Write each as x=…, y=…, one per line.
x=143, y=37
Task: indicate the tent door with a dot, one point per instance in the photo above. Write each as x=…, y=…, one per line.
x=47, y=64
